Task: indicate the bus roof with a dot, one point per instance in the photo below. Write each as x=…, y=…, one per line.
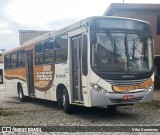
x=66, y=29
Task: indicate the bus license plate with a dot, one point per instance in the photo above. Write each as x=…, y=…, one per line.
x=128, y=97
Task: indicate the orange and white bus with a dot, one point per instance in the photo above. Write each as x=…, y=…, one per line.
x=98, y=61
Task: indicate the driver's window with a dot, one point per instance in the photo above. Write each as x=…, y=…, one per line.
x=104, y=49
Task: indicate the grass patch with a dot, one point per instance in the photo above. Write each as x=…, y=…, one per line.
x=147, y=106
x=8, y=112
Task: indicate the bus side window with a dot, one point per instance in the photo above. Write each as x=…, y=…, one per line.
x=20, y=62
x=7, y=61
x=61, y=48
x=13, y=60
x=39, y=54
x=49, y=52
x=84, y=56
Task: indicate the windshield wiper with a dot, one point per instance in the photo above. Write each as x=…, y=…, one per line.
x=126, y=51
x=108, y=33
x=134, y=48
x=136, y=42
x=112, y=40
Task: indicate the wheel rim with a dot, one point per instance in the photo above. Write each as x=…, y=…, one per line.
x=63, y=100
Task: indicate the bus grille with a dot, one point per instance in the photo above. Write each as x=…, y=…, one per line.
x=138, y=99
x=126, y=82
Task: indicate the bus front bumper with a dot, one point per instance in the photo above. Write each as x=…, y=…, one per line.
x=102, y=100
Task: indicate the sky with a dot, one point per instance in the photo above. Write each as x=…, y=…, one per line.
x=49, y=15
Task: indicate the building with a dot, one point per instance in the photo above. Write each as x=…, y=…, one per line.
x=146, y=12
x=25, y=35
x=1, y=70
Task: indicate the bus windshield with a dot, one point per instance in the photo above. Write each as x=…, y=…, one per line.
x=121, y=52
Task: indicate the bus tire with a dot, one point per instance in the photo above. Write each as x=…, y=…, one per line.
x=59, y=100
x=59, y=94
x=65, y=101
x=22, y=98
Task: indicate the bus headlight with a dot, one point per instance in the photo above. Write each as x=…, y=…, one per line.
x=150, y=88
x=99, y=89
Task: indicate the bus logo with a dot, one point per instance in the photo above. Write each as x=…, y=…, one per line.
x=6, y=130
x=128, y=76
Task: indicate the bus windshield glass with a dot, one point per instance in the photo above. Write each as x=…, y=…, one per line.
x=121, y=52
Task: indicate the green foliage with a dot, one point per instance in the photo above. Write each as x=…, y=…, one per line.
x=4, y=112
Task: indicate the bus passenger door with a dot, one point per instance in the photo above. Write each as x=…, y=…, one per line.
x=76, y=46
x=30, y=76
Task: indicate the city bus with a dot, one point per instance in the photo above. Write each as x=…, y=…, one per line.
x=96, y=62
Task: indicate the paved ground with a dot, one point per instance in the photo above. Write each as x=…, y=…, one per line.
x=156, y=97
x=45, y=113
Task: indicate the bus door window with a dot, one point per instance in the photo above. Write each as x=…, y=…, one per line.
x=76, y=65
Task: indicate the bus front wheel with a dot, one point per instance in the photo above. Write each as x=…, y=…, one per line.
x=20, y=94
x=65, y=101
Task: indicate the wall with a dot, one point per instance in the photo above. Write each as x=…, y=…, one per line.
x=26, y=35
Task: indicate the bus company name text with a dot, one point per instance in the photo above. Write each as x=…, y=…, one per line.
x=21, y=130
x=44, y=76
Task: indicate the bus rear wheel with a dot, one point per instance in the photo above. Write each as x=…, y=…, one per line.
x=65, y=102
x=22, y=98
